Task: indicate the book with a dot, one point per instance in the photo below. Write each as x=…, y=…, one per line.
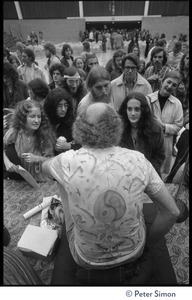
x=38, y=242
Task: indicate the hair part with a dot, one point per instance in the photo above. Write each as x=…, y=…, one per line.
x=97, y=73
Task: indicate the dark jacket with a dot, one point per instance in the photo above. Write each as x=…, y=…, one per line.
x=115, y=73
x=154, y=150
x=78, y=96
x=51, y=85
x=20, y=92
x=64, y=61
x=66, y=130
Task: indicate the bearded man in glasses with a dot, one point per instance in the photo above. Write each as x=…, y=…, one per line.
x=158, y=68
x=74, y=85
x=129, y=81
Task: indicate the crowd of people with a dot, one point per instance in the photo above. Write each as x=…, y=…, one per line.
x=107, y=134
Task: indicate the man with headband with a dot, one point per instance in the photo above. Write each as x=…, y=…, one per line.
x=74, y=85
x=102, y=188
x=99, y=85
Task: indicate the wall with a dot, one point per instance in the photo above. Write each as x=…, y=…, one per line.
x=168, y=25
x=56, y=31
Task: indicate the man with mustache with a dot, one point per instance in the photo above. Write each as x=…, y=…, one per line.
x=99, y=85
x=129, y=81
x=74, y=85
x=158, y=68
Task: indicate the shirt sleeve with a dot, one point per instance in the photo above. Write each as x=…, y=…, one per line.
x=58, y=166
x=155, y=184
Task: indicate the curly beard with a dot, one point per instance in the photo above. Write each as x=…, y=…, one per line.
x=106, y=98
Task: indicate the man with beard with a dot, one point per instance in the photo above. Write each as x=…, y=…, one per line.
x=102, y=187
x=98, y=83
x=91, y=61
x=129, y=81
x=74, y=85
x=158, y=68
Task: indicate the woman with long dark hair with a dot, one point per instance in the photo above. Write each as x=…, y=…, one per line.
x=59, y=109
x=141, y=131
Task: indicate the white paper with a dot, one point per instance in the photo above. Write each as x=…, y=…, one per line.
x=37, y=239
x=20, y=170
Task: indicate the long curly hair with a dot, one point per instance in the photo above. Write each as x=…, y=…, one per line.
x=105, y=132
x=51, y=47
x=44, y=134
x=52, y=100
x=58, y=67
x=147, y=125
x=64, y=48
x=10, y=71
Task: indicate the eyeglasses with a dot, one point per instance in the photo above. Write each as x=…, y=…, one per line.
x=158, y=57
x=130, y=68
x=60, y=106
x=72, y=82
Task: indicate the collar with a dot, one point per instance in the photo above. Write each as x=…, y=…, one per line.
x=139, y=80
x=33, y=65
x=154, y=97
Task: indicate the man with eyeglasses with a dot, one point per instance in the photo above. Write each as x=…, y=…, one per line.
x=158, y=68
x=74, y=85
x=129, y=81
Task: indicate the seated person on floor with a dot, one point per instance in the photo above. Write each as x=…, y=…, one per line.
x=102, y=188
x=29, y=140
x=58, y=107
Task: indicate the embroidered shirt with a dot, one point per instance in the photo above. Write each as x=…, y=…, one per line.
x=104, y=194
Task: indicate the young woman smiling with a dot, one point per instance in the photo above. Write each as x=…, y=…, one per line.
x=31, y=138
